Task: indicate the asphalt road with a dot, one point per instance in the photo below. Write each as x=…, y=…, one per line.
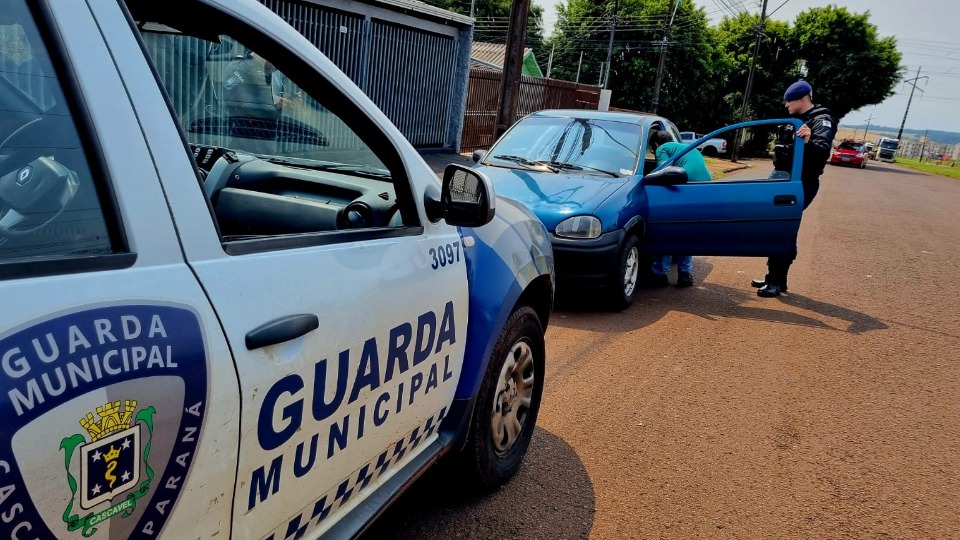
x=832, y=412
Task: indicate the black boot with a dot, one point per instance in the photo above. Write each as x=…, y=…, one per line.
x=758, y=283
x=684, y=279
x=770, y=290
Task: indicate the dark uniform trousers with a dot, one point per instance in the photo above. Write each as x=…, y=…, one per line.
x=815, y=155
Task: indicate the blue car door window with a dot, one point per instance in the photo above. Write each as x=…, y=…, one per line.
x=752, y=211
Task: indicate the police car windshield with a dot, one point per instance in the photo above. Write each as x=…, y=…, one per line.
x=595, y=147
x=226, y=95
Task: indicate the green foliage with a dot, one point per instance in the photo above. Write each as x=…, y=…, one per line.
x=584, y=26
x=930, y=167
x=776, y=68
x=849, y=65
x=492, y=18
x=776, y=65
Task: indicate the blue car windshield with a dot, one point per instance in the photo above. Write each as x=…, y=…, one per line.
x=592, y=145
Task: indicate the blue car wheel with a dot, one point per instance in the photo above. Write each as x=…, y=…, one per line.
x=625, y=280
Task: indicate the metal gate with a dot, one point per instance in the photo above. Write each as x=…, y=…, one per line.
x=483, y=102
x=406, y=71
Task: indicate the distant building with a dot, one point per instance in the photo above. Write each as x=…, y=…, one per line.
x=910, y=148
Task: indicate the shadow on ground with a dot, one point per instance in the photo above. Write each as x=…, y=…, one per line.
x=587, y=310
x=551, y=497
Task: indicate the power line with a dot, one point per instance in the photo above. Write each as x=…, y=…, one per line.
x=778, y=8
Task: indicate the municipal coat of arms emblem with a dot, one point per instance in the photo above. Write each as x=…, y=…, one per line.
x=113, y=463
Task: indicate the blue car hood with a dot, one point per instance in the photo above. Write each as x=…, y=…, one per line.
x=553, y=197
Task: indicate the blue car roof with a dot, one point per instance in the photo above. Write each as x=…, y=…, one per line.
x=613, y=116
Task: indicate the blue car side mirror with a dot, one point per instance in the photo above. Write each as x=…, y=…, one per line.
x=668, y=176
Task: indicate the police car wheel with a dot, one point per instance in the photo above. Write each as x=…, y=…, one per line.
x=624, y=282
x=506, y=410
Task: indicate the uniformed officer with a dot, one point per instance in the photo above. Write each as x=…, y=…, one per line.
x=817, y=131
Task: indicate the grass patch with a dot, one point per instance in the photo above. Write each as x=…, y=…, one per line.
x=720, y=167
x=944, y=169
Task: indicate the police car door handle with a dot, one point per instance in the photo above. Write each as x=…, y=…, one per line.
x=784, y=200
x=280, y=330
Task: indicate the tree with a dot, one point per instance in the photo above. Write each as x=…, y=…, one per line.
x=848, y=64
x=580, y=27
x=776, y=67
x=493, y=18
x=693, y=69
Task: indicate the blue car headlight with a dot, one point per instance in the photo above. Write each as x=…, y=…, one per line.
x=579, y=227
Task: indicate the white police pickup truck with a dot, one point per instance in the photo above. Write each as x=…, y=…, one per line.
x=234, y=302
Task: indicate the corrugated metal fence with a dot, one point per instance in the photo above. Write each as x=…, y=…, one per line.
x=404, y=70
x=483, y=102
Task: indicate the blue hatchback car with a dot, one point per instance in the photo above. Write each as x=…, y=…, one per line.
x=592, y=179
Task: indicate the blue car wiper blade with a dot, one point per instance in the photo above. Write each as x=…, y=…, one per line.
x=528, y=163
x=578, y=167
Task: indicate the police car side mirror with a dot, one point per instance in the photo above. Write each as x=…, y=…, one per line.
x=466, y=198
x=668, y=176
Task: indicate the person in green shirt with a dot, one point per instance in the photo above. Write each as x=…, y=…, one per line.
x=665, y=148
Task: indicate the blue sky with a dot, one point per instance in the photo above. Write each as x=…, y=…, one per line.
x=928, y=35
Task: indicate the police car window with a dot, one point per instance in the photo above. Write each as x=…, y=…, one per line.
x=275, y=159
x=49, y=204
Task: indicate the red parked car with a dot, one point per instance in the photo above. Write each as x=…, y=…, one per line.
x=850, y=152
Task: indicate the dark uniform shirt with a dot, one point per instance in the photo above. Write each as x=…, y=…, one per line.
x=816, y=151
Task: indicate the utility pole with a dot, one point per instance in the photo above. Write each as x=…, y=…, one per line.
x=868, y=127
x=613, y=30
x=913, y=83
x=473, y=4
x=923, y=144
x=746, y=94
x=663, y=57
x=580, y=63
x=512, y=66
x=550, y=60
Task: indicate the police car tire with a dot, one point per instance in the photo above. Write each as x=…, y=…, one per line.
x=618, y=299
x=484, y=467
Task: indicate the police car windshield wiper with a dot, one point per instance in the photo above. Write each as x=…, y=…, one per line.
x=528, y=163
x=366, y=170
x=578, y=167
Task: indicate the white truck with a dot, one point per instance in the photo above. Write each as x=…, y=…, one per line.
x=226, y=319
x=886, y=149
x=711, y=147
